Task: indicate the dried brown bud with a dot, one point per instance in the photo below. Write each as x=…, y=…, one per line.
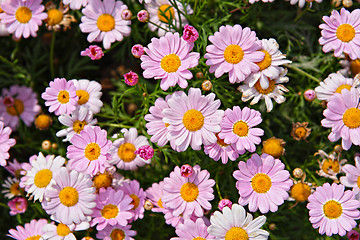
x=199, y=75
x=298, y=172
x=46, y=145
x=148, y=205
x=206, y=85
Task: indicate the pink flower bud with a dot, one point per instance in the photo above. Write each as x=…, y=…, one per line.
x=309, y=95
x=17, y=205
x=94, y=52
x=137, y=50
x=143, y=16
x=190, y=34
x=146, y=152
x=224, y=203
x=353, y=235
x=186, y=170
x=126, y=14
x=131, y=78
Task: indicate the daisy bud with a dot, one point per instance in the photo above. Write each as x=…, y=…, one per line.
x=298, y=172
x=190, y=34
x=146, y=152
x=43, y=122
x=17, y=205
x=272, y=226
x=87, y=238
x=143, y=16
x=199, y=75
x=353, y=235
x=148, y=205
x=131, y=78
x=126, y=14
x=186, y=170
x=94, y=52
x=224, y=203
x=46, y=145
x=206, y=85
x=54, y=146
x=347, y=3
x=309, y=95
x=137, y=50
x=338, y=148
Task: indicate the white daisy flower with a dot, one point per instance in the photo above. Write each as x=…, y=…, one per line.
x=334, y=83
x=62, y=231
x=76, y=4
x=274, y=90
x=235, y=223
x=163, y=14
x=41, y=176
x=302, y=2
x=89, y=93
x=75, y=122
x=270, y=65
x=12, y=188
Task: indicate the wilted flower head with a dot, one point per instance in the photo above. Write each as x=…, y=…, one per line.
x=93, y=51
x=300, y=131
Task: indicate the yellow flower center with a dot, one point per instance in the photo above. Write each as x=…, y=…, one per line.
x=166, y=124
x=117, y=234
x=23, y=14
x=37, y=237
x=358, y=182
x=15, y=189
x=241, y=128
x=266, y=62
x=273, y=147
x=43, y=178
x=126, y=152
x=199, y=238
x=193, y=120
x=351, y=118
x=300, y=192
x=54, y=17
x=233, y=54
x=109, y=211
x=332, y=209
x=166, y=13
x=62, y=230
x=355, y=66
x=83, y=96
x=92, y=151
x=102, y=180
x=160, y=204
x=221, y=141
x=69, y=196
x=170, y=63
x=345, y=32
x=343, y=86
x=106, y=22
x=135, y=201
x=330, y=164
x=300, y=132
x=42, y=121
x=189, y=192
x=266, y=90
x=16, y=109
x=236, y=233
x=63, y=97
x=261, y=183
x=78, y=125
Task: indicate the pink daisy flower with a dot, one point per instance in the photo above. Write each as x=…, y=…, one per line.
x=352, y=176
x=93, y=51
x=154, y=194
x=116, y=232
x=238, y=127
x=89, y=93
x=60, y=96
x=223, y=150
x=103, y=22
x=169, y=58
x=262, y=183
x=62, y=231
x=14, y=167
x=17, y=205
x=76, y=4
x=138, y=196
x=112, y=208
x=5, y=143
x=194, y=119
x=89, y=151
x=235, y=51
x=192, y=230
x=71, y=199
x=341, y=33
x=123, y=150
x=18, y=102
x=333, y=210
x=23, y=18
x=32, y=230
x=188, y=195
x=343, y=117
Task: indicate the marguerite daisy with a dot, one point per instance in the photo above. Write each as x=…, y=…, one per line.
x=62, y=231
x=89, y=93
x=116, y=232
x=76, y=4
x=302, y=2
x=11, y=188
x=5, y=143
x=192, y=230
x=352, y=176
x=32, y=230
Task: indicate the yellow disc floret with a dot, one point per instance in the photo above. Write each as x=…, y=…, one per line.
x=300, y=191
x=189, y=192
x=300, y=132
x=233, y=54
x=267, y=90
x=345, y=32
x=135, y=201
x=63, y=97
x=241, y=128
x=332, y=209
x=343, y=86
x=15, y=189
x=55, y=16
x=266, y=62
x=16, y=109
x=37, y=237
x=159, y=203
x=166, y=13
x=105, y=22
x=23, y=14
x=43, y=121
x=193, y=120
x=83, y=96
x=102, y=180
x=199, y=238
x=261, y=183
x=273, y=147
x=170, y=63
x=351, y=118
x=78, y=125
x=92, y=151
x=43, y=178
x=330, y=164
x=69, y=196
x=62, y=230
x=117, y=234
x=236, y=233
x=109, y=211
x=221, y=141
x=126, y=152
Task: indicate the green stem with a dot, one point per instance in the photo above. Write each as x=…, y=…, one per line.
x=112, y=47
x=142, y=88
x=302, y=72
x=158, y=26
x=301, y=14
x=4, y=205
x=115, y=125
x=52, y=55
x=217, y=187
